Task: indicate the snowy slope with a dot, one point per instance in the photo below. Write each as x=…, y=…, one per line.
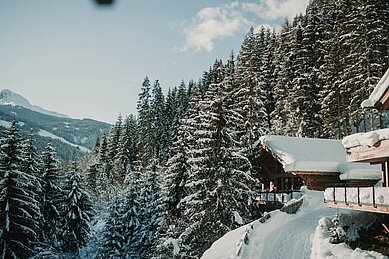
x=7, y=97
x=45, y=133
x=286, y=236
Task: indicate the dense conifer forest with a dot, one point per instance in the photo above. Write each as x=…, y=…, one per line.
x=184, y=171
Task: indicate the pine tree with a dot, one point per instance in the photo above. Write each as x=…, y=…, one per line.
x=121, y=236
x=51, y=198
x=77, y=213
x=282, y=109
x=172, y=191
x=31, y=164
x=157, y=121
x=127, y=151
x=215, y=200
x=19, y=210
x=250, y=96
x=145, y=134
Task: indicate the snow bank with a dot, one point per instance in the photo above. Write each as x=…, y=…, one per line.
x=227, y=246
x=361, y=171
x=333, y=227
x=378, y=92
x=281, y=236
x=365, y=195
x=365, y=139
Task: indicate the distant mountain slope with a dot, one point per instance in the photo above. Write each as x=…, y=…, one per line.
x=7, y=97
x=70, y=137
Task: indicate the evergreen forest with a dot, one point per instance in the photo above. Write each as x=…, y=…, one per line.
x=183, y=172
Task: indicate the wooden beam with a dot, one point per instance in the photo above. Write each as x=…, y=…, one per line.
x=354, y=206
x=385, y=173
x=319, y=182
x=384, y=100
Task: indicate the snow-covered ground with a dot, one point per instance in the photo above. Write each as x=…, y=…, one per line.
x=97, y=226
x=305, y=234
x=45, y=133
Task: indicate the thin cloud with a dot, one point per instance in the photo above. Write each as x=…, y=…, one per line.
x=213, y=23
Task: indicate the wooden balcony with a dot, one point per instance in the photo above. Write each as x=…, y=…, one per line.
x=369, y=199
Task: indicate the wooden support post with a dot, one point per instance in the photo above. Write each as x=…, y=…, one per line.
x=385, y=182
x=359, y=198
x=374, y=205
x=345, y=195
x=334, y=196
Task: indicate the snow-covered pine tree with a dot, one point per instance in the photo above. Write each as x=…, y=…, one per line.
x=77, y=214
x=157, y=107
x=303, y=98
x=105, y=181
x=127, y=151
x=267, y=79
x=97, y=145
x=19, y=209
x=332, y=105
x=52, y=198
x=250, y=96
x=145, y=134
x=91, y=178
x=172, y=191
x=171, y=123
x=121, y=235
x=31, y=164
x=218, y=187
x=282, y=107
x=149, y=212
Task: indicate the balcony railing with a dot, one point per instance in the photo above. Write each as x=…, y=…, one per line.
x=372, y=198
x=281, y=196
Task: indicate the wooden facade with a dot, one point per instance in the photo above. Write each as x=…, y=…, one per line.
x=273, y=176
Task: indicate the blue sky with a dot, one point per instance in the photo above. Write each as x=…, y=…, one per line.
x=86, y=61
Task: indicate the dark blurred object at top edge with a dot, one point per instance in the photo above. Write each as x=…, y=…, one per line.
x=104, y=2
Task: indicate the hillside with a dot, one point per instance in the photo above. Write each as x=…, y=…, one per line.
x=70, y=137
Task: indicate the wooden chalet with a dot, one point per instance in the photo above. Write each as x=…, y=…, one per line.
x=371, y=147
x=288, y=163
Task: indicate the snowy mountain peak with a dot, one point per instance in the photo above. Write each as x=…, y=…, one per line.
x=7, y=97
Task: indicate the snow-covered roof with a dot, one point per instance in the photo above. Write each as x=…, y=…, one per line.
x=378, y=92
x=317, y=155
x=365, y=139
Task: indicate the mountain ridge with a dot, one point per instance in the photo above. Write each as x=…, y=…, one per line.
x=8, y=97
x=70, y=137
